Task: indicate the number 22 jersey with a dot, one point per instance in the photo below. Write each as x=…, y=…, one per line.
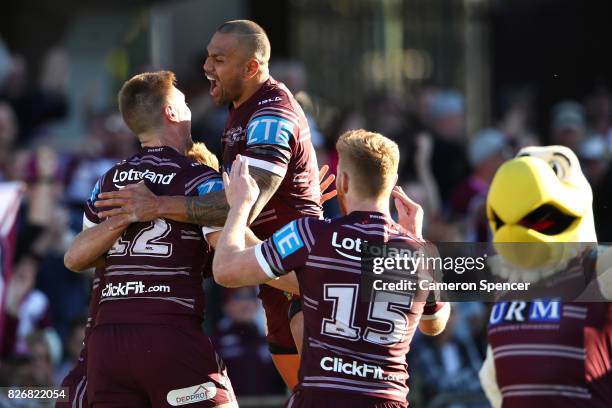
x=154, y=271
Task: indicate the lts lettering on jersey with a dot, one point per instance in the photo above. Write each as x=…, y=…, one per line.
x=154, y=271
x=350, y=345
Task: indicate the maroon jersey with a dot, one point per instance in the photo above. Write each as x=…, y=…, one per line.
x=553, y=353
x=154, y=271
x=350, y=345
x=270, y=129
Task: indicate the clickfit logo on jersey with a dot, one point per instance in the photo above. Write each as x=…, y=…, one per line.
x=134, y=175
x=337, y=365
x=131, y=288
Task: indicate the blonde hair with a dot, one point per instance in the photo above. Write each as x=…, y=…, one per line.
x=370, y=159
x=142, y=98
x=200, y=153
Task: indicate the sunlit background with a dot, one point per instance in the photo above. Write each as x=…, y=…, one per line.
x=459, y=84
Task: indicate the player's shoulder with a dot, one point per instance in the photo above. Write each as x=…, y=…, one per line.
x=201, y=179
x=276, y=96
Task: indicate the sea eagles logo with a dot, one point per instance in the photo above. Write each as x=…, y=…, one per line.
x=234, y=135
x=347, y=244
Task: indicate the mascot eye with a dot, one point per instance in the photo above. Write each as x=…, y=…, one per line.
x=547, y=219
x=557, y=168
x=498, y=221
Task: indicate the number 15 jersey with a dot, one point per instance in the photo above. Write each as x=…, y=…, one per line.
x=350, y=345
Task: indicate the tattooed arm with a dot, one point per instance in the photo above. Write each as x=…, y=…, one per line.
x=137, y=203
x=212, y=209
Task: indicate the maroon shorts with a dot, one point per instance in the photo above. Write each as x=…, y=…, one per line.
x=326, y=399
x=276, y=305
x=76, y=383
x=154, y=366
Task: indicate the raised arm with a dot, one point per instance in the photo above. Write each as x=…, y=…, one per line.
x=235, y=264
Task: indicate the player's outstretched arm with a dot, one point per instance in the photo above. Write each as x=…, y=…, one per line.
x=286, y=283
x=138, y=203
x=234, y=264
x=91, y=244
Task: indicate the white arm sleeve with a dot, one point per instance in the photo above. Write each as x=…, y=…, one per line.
x=488, y=380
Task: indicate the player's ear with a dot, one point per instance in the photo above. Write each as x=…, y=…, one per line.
x=344, y=184
x=252, y=68
x=171, y=113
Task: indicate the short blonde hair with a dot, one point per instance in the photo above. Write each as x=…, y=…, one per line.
x=142, y=98
x=370, y=159
x=200, y=153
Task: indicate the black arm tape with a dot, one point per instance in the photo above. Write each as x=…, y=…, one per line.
x=295, y=307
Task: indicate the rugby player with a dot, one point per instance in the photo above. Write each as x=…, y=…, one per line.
x=147, y=347
x=268, y=127
x=76, y=380
x=354, y=351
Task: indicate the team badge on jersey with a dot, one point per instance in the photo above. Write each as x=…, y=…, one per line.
x=287, y=240
x=269, y=130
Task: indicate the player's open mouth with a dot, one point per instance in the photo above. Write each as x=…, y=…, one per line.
x=214, y=84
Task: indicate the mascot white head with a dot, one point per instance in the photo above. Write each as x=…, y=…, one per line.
x=539, y=208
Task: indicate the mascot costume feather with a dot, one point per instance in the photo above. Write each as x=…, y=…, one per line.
x=548, y=352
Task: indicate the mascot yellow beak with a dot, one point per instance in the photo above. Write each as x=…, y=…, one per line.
x=536, y=200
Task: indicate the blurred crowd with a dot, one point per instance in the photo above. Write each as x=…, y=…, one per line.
x=43, y=313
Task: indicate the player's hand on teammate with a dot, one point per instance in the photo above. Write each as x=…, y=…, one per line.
x=133, y=203
x=410, y=213
x=324, y=183
x=241, y=189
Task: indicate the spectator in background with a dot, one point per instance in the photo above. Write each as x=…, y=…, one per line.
x=595, y=161
x=446, y=364
x=487, y=150
x=516, y=120
x=449, y=163
x=568, y=125
x=8, y=133
x=293, y=75
x=242, y=345
x=598, y=107
x=108, y=142
x=36, y=103
x=72, y=347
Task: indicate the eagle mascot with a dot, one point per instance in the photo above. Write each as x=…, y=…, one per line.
x=554, y=350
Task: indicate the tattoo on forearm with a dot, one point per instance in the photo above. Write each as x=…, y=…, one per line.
x=210, y=210
x=268, y=184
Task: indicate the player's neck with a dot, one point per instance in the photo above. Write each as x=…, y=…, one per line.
x=158, y=140
x=380, y=206
x=251, y=87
